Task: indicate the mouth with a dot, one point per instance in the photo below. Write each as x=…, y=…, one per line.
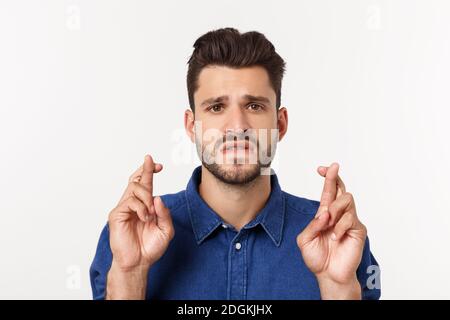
x=235, y=146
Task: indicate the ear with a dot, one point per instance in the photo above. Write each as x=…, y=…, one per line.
x=282, y=122
x=189, y=123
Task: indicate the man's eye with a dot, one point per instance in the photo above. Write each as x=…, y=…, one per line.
x=216, y=108
x=255, y=107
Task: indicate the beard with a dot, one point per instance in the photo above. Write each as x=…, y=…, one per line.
x=234, y=172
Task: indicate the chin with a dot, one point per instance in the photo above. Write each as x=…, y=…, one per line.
x=235, y=174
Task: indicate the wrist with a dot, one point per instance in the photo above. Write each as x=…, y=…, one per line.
x=127, y=283
x=334, y=290
x=140, y=269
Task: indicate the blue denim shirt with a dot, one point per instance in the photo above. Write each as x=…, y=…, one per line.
x=208, y=259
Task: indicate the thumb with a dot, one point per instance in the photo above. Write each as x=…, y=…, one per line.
x=164, y=219
x=317, y=225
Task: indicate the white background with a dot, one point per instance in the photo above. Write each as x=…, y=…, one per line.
x=88, y=87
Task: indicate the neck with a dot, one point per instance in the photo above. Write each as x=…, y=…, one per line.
x=235, y=204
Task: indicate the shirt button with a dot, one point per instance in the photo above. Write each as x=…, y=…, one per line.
x=238, y=246
x=224, y=226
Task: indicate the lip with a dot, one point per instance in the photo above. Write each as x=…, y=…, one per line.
x=235, y=146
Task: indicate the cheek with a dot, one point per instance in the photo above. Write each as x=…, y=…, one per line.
x=267, y=132
x=264, y=122
x=209, y=123
x=208, y=134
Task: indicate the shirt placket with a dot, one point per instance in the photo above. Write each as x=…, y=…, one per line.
x=237, y=266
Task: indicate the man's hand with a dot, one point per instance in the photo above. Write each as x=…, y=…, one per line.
x=140, y=231
x=333, y=242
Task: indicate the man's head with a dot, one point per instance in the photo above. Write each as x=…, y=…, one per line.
x=234, y=87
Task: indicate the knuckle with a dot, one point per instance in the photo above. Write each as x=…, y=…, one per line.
x=136, y=186
x=147, y=199
x=133, y=185
x=140, y=204
x=364, y=228
x=333, y=208
x=132, y=200
x=111, y=214
x=127, y=199
x=326, y=193
x=300, y=240
x=114, y=213
x=349, y=222
x=349, y=196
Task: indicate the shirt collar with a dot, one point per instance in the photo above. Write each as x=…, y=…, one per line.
x=204, y=220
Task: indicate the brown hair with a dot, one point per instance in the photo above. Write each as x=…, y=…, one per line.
x=229, y=47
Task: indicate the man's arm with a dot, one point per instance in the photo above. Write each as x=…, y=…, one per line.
x=331, y=290
x=140, y=230
x=126, y=284
x=333, y=242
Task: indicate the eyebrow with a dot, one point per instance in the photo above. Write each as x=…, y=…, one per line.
x=247, y=97
x=250, y=97
x=214, y=100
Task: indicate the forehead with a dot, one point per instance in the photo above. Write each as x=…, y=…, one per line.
x=221, y=80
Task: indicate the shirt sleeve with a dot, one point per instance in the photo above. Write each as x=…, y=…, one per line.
x=100, y=266
x=368, y=274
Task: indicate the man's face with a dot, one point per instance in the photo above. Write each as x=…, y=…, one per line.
x=236, y=122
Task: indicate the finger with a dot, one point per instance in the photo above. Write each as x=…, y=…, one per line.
x=147, y=177
x=330, y=185
x=137, y=190
x=313, y=229
x=158, y=167
x=342, y=204
x=321, y=210
x=322, y=170
x=345, y=224
x=164, y=219
x=133, y=204
x=147, y=172
x=136, y=176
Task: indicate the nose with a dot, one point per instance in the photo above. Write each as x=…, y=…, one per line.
x=237, y=121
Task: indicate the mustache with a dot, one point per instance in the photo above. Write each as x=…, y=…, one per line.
x=238, y=138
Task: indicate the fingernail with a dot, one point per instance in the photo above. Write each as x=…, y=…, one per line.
x=333, y=236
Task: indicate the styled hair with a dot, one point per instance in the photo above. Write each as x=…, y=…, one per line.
x=228, y=47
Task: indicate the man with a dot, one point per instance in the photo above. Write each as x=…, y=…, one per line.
x=233, y=233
